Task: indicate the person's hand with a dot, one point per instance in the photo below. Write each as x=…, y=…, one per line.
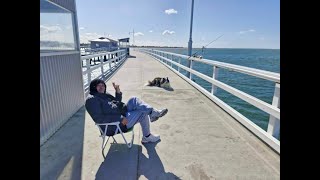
x=116, y=87
x=124, y=121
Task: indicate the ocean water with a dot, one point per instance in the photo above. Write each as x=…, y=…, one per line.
x=264, y=59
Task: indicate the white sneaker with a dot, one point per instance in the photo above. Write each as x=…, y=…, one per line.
x=157, y=113
x=151, y=138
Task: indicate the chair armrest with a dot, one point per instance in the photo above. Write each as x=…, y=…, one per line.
x=113, y=123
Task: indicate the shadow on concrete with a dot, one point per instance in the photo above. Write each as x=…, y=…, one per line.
x=61, y=155
x=130, y=56
x=120, y=163
x=123, y=163
x=168, y=88
x=151, y=167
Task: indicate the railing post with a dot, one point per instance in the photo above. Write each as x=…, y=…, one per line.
x=163, y=56
x=274, y=123
x=115, y=59
x=101, y=64
x=171, y=59
x=214, y=76
x=109, y=59
x=88, y=70
x=191, y=65
x=179, y=63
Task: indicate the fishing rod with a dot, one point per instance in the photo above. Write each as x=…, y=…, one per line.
x=206, y=45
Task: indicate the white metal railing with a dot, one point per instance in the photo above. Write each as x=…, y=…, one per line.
x=114, y=59
x=272, y=109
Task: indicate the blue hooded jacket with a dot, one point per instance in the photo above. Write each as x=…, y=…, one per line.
x=105, y=108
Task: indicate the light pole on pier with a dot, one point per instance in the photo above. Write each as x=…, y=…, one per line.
x=132, y=37
x=190, y=42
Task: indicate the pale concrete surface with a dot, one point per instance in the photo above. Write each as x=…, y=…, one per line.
x=198, y=139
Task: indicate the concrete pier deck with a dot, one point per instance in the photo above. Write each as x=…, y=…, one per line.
x=199, y=140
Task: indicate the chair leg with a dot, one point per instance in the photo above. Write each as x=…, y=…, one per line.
x=104, y=143
x=128, y=144
x=114, y=140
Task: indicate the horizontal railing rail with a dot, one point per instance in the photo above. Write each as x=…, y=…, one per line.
x=273, y=109
x=112, y=60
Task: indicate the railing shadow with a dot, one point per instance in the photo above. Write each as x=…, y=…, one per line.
x=130, y=56
x=151, y=167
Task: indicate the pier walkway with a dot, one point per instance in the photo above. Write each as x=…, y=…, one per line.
x=199, y=140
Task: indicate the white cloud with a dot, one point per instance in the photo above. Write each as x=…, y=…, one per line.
x=81, y=28
x=151, y=31
x=171, y=11
x=244, y=32
x=49, y=29
x=138, y=34
x=84, y=38
x=168, y=32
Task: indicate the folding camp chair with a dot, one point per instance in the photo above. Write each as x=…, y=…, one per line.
x=103, y=134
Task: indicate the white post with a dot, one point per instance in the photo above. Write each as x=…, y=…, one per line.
x=274, y=123
x=162, y=56
x=115, y=59
x=101, y=64
x=179, y=63
x=214, y=76
x=109, y=60
x=171, y=59
x=191, y=65
x=88, y=70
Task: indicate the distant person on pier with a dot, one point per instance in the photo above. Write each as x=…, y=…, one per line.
x=105, y=108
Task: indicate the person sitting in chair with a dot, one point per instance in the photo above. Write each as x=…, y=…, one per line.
x=105, y=108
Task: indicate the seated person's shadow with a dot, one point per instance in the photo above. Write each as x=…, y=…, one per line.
x=151, y=167
x=121, y=163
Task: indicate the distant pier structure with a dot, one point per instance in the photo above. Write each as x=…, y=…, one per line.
x=124, y=44
x=104, y=43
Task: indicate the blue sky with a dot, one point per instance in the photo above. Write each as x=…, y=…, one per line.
x=243, y=23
